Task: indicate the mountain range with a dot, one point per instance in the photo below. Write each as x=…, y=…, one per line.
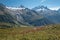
x=36, y=16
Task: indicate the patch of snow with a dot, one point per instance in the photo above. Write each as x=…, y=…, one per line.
x=15, y=8
x=41, y=9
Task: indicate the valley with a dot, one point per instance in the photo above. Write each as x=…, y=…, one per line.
x=22, y=23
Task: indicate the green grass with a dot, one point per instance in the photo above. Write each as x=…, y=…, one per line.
x=49, y=32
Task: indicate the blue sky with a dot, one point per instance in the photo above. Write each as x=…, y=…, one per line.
x=32, y=3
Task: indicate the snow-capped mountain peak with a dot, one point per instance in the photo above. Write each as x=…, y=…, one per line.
x=40, y=8
x=15, y=8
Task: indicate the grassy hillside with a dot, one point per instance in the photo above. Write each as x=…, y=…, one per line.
x=49, y=32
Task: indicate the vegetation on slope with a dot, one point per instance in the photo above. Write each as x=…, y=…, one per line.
x=49, y=32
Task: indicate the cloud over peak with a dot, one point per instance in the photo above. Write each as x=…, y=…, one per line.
x=43, y=1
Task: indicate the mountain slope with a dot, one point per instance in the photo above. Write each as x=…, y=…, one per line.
x=49, y=32
x=4, y=16
x=22, y=16
x=31, y=17
x=52, y=15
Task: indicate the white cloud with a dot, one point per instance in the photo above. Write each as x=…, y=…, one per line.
x=54, y=8
x=43, y=1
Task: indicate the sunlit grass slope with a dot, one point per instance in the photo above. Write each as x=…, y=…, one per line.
x=49, y=32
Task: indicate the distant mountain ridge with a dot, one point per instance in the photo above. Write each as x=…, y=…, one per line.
x=26, y=16
x=38, y=8
x=52, y=15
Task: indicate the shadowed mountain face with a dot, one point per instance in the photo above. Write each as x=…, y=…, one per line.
x=4, y=15
x=25, y=16
x=52, y=15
